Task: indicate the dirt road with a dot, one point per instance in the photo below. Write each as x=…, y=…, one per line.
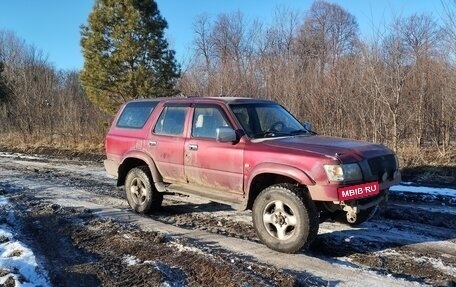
x=83, y=234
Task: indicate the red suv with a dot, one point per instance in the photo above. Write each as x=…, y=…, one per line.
x=250, y=154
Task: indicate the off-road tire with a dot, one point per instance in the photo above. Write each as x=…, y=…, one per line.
x=140, y=191
x=285, y=218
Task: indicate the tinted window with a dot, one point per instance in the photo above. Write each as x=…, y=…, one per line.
x=135, y=114
x=266, y=120
x=171, y=121
x=206, y=121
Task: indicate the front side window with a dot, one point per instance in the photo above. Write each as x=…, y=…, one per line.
x=206, y=120
x=135, y=115
x=266, y=120
x=171, y=121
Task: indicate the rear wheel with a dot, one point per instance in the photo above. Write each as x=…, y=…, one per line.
x=141, y=194
x=285, y=219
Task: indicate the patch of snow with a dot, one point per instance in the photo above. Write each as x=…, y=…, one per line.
x=3, y=201
x=389, y=252
x=180, y=247
x=348, y=239
x=20, y=261
x=173, y=277
x=5, y=234
x=20, y=155
x=407, y=183
x=17, y=259
x=333, y=226
x=423, y=190
x=437, y=264
x=131, y=260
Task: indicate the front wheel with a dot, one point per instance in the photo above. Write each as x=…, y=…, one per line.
x=285, y=219
x=141, y=194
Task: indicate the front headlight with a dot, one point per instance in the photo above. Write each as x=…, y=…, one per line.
x=334, y=172
x=343, y=172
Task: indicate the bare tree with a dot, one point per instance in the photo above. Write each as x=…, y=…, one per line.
x=421, y=37
x=329, y=32
x=43, y=106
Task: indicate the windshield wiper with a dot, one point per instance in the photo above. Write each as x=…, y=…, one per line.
x=265, y=134
x=302, y=131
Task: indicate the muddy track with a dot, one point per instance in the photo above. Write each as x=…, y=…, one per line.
x=411, y=240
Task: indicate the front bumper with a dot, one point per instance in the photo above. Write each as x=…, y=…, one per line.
x=328, y=192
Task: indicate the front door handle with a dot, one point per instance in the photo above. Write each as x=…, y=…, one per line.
x=193, y=147
x=152, y=143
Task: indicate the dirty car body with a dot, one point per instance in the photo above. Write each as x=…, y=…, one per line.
x=250, y=154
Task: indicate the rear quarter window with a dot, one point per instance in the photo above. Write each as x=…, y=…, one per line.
x=135, y=115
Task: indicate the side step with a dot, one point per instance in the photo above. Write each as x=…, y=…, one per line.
x=236, y=201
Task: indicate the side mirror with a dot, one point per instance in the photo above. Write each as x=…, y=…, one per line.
x=308, y=126
x=226, y=134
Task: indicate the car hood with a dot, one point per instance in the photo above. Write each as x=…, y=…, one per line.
x=346, y=150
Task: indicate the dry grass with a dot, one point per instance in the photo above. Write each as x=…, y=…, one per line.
x=412, y=156
x=89, y=143
x=428, y=165
x=86, y=149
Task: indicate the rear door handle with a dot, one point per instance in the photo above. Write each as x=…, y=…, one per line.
x=193, y=147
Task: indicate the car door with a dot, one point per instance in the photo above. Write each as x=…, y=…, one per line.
x=166, y=143
x=209, y=163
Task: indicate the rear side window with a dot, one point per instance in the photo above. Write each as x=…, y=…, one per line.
x=171, y=121
x=135, y=115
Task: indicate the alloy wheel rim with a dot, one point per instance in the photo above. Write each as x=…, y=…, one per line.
x=279, y=219
x=138, y=191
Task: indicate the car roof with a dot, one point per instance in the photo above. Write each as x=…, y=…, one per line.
x=227, y=100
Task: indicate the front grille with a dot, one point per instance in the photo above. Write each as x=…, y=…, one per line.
x=380, y=165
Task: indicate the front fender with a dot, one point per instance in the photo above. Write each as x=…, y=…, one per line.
x=285, y=170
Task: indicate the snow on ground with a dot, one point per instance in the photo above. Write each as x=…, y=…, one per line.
x=20, y=155
x=3, y=201
x=408, y=187
x=175, y=278
x=131, y=260
x=17, y=261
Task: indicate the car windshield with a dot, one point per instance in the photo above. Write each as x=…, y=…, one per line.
x=265, y=120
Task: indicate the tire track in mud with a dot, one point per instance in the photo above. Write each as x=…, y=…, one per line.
x=417, y=244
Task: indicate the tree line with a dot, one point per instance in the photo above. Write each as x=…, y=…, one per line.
x=396, y=88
